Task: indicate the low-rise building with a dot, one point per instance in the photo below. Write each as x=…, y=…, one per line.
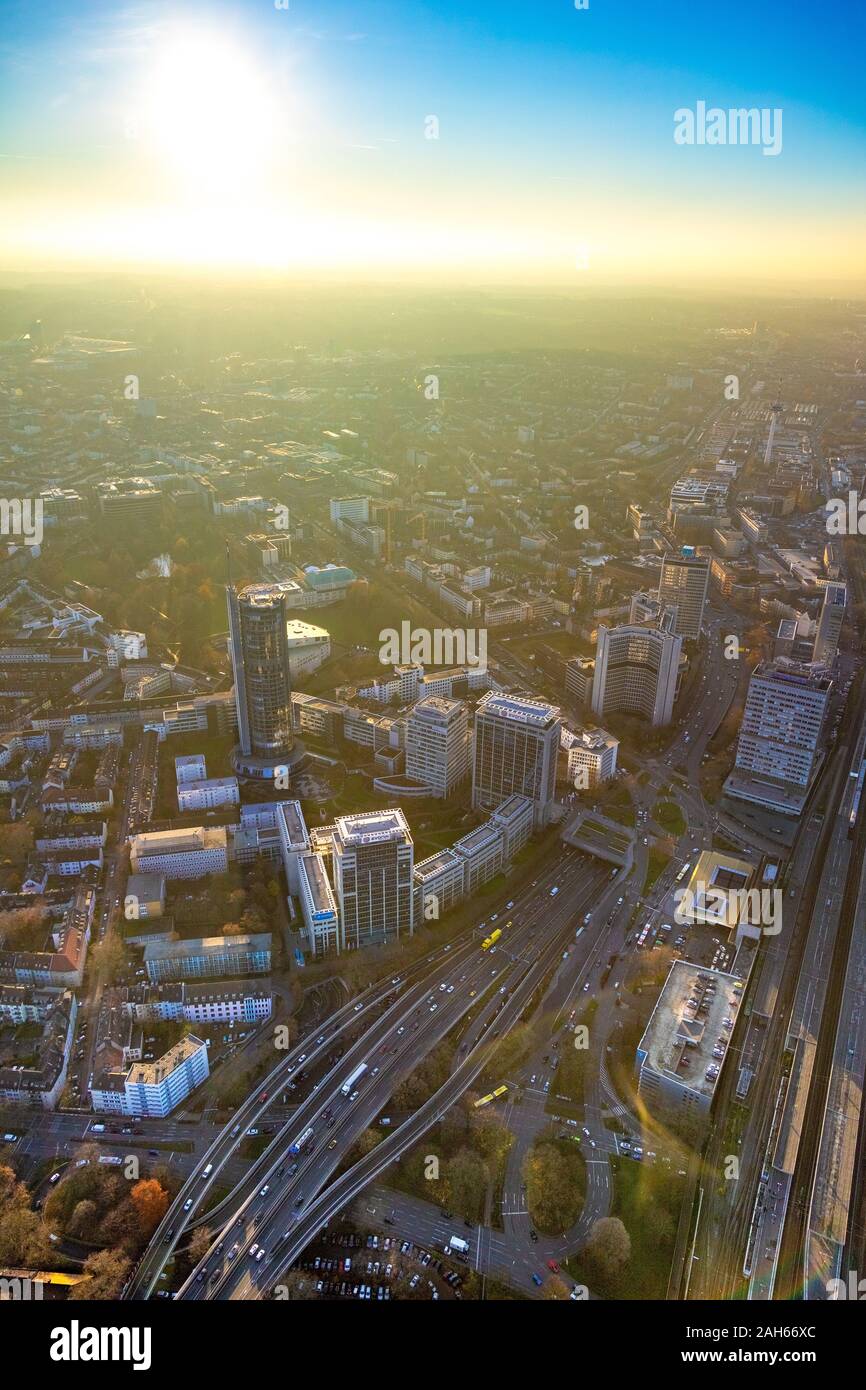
x=681, y=1054
x=153, y=1088
x=180, y=853
x=208, y=957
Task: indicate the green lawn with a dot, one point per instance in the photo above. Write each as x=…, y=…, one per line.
x=658, y=862
x=670, y=817
x=646, y=1198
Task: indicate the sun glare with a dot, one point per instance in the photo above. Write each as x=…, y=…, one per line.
x=208, y=114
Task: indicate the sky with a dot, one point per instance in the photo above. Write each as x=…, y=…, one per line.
x=518, y=141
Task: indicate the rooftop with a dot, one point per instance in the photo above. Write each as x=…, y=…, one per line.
x=688, y=1023
x=519, y=708
x=152, y=1073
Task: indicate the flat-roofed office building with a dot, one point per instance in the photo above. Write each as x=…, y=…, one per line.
x=437, y=744
x=830, y=624
x=683, y=585
x=779, y=743
x=372, y=867
x=681, y=1054
x=636, y=671
x=319, y=906
x=515, y=746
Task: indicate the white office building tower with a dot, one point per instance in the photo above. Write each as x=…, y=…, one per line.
x=636, y=671
x=437, y=744
x=372, y=867
x=514, y=751
x=778, y=747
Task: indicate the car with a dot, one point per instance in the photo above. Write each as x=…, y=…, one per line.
x=252, y=1132
x=586, y=987
x=10, y=1138
x=401, y=1030
x=533, y=1236
x=450, y=989
x=332, y=1144
x=357, y=1009
x=187, y=1204
x=354, y=1095
x=537, y=1279
x=553, y=892
x=55, y=1177
x=586, y=1131
x=433, y=1008
x=553, y=1266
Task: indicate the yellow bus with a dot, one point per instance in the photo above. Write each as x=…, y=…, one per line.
x=485, y=1100
x=500, y=1091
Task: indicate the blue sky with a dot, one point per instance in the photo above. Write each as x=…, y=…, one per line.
x=549, y=118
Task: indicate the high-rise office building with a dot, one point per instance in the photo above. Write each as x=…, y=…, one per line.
x=778, y=747
x=830, y=624
x=373, y=858
x=514, y=751
x=636, y=670
x=437, y=744
x=258, y=619
x=683, y=585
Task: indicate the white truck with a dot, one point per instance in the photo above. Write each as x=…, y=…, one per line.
x=349, y=1083
x=458, y=1246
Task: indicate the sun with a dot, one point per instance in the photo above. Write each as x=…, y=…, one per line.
x=207, y=112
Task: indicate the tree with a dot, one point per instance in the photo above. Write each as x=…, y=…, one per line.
x=199, y=1244
x=13, y=1193
x=23, y=1239
x=555, y=1288
x=82, y=1222
x=609, y=1246
x=108, y=956
x=106, y=1271
x=368, y=1141
x=17, y=842
x=554, y=1187
x=493, y=1140
x=467, y=1183
x=16, y=927
x=150, y=1200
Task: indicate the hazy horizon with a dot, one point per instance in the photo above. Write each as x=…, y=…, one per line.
x=513, y=145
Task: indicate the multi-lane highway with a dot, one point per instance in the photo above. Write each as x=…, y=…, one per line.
x=489, y=991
